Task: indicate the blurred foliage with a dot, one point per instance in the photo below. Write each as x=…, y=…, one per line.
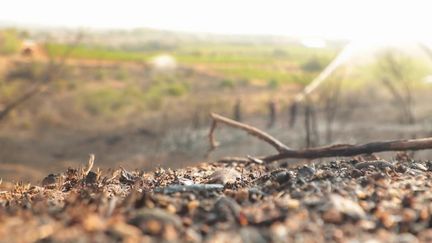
x=283, y=63
x=109, y=102
x=10, y=41
x=227, y=83
x=273, y=84
x=313, y=65
x=26, y=71
x=94, y=53
x=102, y=82
x=397, y=66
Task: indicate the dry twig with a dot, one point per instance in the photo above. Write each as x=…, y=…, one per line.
x=338, y=150
x=34, y=90
x=280, y=147
x=90, y=164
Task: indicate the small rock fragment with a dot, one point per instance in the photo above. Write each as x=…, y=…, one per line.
x=332, y=216
x=367, y=224
x=192, y=205
x=347, y=207
x=189, y=188
x=249, y=234
x=153, y=221
x=409, y=215
x=283, y=176
x=224, y=176
x=185, y=181
x=356, y=173
x=91, y=178
x=425, y=236
x=241, y=195
x=127, y=178
x=419, y=166
x=306, y=171
x=49, y=181
x=293, y=203
x=228, y=209
x=94, y=222
x=380, y=164
x=406, y=238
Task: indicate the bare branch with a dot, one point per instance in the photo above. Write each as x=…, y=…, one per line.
x=21, y=99
x=53, y=69
x=280, y=147
x=338, y=150
x=344, y=150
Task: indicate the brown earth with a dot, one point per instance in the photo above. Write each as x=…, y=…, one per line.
x=334, y=201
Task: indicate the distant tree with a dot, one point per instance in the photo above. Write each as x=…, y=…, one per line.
x=10, y=42
x=53, y=69
x=398, y=74
x=312, y=65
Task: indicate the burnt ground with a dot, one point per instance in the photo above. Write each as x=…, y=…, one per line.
x=352, y=200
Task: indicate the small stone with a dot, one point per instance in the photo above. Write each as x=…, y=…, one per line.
x=406, y=238
x=91, y=178
x=429, y=165
x=149, y=220
x=379, y=164
x=387, y=220
x=224, y=176
x=419, y=166
x=408, y=201
x=242, y=195
x=153, y=227
x=249, y=234
x=306, y=171
x=185, y=181
x=192, y=236
x=227, y=209
x=189, y=188
x=279, y=232
x=192, y=205
x=171, y=208
x=338, y=235
x=409, y=215
x=361, y=194
x=401, y=168
x=424, y=214
x=127, y=177
x=93, y=223
x=293, y=203
x=347, y=207
x=332, y=216
x=356, y=173
x=425, y=236
x=367, y=224
x=283, y=176
x=170, y=233
x=50, y=181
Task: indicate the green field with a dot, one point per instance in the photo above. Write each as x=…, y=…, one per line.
x=290, y=63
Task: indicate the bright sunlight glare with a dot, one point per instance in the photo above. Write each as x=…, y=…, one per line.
x=366, y=20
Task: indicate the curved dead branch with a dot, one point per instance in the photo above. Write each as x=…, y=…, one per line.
x=338, y=150
x=345, y=150
x=279, y=146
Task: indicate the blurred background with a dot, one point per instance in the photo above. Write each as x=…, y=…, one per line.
x=134, y=81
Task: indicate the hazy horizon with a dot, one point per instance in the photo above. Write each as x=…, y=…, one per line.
x=332, y=19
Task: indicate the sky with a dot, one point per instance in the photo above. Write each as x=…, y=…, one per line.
x=348, y=19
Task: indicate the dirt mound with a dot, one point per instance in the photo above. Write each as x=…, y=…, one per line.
x=216, y=202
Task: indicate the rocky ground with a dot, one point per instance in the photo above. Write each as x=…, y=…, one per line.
x=353, y=200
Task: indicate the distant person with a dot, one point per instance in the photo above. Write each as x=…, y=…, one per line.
x=237, y=110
